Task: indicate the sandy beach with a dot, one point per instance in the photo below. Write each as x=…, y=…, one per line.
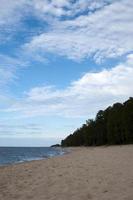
x=99, y=173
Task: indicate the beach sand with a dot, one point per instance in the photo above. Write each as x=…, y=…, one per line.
x=97, y=173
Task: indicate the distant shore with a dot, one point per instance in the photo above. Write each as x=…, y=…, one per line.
x=99, y=173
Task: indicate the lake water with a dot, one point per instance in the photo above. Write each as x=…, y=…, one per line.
x=10, y=155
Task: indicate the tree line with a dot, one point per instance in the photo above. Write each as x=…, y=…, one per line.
x=112, y=126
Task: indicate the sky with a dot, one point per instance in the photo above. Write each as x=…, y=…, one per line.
x=60, y=63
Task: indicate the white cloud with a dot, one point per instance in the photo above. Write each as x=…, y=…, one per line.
x=12, y=11
x=105, y=33
x=9, y=74
x=11, y=14
x=82, y=98
x=7, y=10
x=67, y=8
x=8, y=68
x=77, y=29
x=7, y=130
x=54, y=8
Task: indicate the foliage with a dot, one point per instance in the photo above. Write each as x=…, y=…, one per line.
x=111, y=126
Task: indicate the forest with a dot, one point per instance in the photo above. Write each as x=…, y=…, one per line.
x=111, y=126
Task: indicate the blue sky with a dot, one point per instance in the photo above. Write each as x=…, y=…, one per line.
x=60, y=62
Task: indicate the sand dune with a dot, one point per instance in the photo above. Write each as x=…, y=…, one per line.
x=99, y=173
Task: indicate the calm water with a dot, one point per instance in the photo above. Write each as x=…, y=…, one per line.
x=10, y=155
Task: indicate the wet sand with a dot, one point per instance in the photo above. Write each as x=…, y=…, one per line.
x=99, y=173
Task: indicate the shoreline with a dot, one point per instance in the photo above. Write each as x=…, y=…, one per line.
x=84, y=173
x=62, y=152
x=40, y=159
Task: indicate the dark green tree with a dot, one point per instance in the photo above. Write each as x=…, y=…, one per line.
x=114, y=125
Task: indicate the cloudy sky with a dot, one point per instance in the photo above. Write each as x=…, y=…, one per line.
x=60, y=62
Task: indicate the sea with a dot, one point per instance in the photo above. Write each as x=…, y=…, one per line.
x=12, y=155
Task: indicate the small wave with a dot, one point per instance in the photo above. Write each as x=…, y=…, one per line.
x=24, y=154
